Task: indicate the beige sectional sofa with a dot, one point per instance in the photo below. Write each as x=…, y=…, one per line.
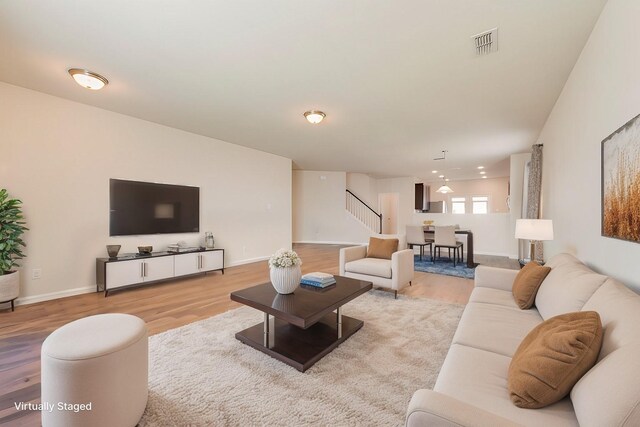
x=471, y=389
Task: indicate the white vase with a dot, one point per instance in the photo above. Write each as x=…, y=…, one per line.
x=285, y=280
x=9, y=286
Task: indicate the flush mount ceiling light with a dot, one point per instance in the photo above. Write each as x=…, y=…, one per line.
x=434, y=171
x=480, y=167
x=482, y=173
x=87, y=79
x=314, y=116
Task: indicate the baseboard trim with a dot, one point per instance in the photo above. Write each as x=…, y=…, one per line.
x=247, y=261
x=55, y=295
x=493, y=254
x=330, y=242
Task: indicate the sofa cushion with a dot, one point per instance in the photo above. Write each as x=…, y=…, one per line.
x=609, y=394
x=562, y=259
x=526, y=284
x=567, y=287
x=370, y=266
x=553, y=357
x=381, y=248
x=493, y=296
x=614, y=383
x=479, y=378
x=619, y=310
x=495, y=328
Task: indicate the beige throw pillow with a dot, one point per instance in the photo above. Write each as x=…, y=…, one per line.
x=382, y=248
x=553, y=357
x=526, y=284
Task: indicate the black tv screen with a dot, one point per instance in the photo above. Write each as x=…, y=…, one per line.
x=149, y=208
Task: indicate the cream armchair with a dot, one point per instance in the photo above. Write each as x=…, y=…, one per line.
x=394, y=274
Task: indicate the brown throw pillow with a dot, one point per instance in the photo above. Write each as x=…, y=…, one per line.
x=382, y=248
x=526, y=284
x=553, y=357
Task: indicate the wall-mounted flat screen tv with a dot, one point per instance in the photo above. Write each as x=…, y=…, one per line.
x=149, y=208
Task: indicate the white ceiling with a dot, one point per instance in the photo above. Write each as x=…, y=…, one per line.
x=398, y=80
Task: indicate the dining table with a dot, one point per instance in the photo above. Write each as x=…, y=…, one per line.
x=429, y=234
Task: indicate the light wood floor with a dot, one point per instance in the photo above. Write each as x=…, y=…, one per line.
x=163, y=306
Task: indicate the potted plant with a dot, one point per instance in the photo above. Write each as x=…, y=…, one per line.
x=284, y=270
x=11, y=244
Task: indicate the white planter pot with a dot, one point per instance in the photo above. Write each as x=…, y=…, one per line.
x=285, y=279
x=9, y=286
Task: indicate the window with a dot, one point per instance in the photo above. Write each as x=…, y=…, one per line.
x=458, y=205
x=480, y=204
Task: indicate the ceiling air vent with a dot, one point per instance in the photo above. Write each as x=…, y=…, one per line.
x=486, y=42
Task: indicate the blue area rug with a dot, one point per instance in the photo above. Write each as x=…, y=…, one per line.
x=444, y=266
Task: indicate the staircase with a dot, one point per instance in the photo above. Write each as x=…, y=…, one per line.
x=363, y=213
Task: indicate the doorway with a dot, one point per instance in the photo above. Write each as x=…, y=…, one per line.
x=389, y=205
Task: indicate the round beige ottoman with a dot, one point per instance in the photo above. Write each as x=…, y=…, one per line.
x=95, y=372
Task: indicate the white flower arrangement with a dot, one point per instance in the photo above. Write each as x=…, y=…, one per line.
x=284, y=258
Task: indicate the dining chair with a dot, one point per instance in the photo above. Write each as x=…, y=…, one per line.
x=445, y=237
x=415, y=237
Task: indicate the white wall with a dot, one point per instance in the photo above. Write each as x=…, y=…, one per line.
x=57, y=157
x=405, y=187
x=601, y=94
x=363, y=186
x=319, y=213
x=496, y=189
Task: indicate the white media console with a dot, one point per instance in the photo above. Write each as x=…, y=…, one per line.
x=135, y=270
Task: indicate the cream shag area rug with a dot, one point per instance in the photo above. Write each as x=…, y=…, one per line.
x=200, y=375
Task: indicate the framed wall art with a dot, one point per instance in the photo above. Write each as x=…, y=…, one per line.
x=621, y=183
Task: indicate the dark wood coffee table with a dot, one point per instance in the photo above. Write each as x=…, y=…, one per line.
x=304, y=327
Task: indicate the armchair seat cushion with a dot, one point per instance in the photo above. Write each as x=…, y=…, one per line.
x=370, y=266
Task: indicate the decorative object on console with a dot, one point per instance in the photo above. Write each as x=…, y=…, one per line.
x=209, y=241
x=11, y=245
x=534, y=230
x=284, y=271
x=621, y=183
x=113, y=250
x=145, y=250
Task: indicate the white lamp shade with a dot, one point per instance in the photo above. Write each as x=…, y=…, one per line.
x=534, y=229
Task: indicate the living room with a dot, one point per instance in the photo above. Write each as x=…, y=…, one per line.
x=213, y=96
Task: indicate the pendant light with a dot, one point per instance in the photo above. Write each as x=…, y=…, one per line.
x=444, y=188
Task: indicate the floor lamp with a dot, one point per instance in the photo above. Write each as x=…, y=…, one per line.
x=534, y=230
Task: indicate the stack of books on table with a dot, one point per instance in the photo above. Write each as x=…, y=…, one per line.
x=319, y=280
